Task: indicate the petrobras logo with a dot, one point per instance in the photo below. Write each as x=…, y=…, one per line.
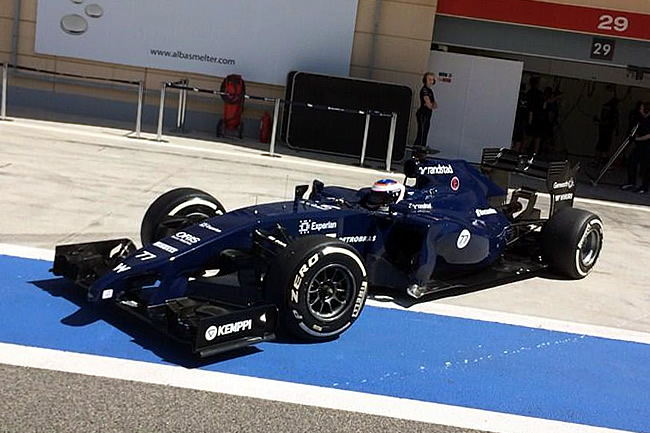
x=485, y=212
x=358, y=239
x=436, y=169
x=306, y=227
x=421, y=206
x=230, y=328
x=569, y=184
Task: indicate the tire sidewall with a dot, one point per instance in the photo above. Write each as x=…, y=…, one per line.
x=170, y=204
x=593, y=224
x=563, y=240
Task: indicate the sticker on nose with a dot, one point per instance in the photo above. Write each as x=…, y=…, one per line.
x=455, y=183
x=463, y=239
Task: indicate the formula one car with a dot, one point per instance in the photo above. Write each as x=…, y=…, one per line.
x=222, y=280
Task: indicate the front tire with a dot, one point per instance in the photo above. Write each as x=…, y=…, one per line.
x=572, y=240
x=320, y=285
x=175, y=210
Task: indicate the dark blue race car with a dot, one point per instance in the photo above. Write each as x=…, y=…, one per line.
x=222, y=280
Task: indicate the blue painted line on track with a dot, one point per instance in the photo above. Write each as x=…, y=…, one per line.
x=461, y=362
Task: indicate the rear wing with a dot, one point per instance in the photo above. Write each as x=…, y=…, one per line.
x=559, y=176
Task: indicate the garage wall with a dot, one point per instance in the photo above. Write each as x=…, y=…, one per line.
x=400, y=32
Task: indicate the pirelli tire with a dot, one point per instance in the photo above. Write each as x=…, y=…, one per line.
x=320, y=285
x=175, y=210
x=572, y=241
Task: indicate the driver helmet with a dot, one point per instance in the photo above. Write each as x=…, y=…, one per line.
x=385, y=192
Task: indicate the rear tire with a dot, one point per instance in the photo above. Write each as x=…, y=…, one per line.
x=175, y=210
x=319, y=285
x=571, y=241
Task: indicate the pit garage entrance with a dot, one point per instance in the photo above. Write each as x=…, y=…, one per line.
x=584, y=56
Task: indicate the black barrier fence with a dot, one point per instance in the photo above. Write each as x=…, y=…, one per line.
x=337, y=132
x=183, y=87
x=138, y=84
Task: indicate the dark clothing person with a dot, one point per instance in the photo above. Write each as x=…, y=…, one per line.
x=521, y=119
x=633, y=118
x=607, y=126
x=640, y=156
x=423, y=115
x=536, y=112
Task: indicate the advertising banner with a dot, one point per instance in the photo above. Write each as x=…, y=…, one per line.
x=261, y=39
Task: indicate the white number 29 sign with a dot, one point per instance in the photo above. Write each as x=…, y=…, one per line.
x=609, y=22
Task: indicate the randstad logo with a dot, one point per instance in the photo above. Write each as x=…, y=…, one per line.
x=437, y=169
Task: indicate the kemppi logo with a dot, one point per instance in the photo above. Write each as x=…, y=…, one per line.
x=229, y=328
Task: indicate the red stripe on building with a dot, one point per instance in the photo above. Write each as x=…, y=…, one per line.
x=552, y=15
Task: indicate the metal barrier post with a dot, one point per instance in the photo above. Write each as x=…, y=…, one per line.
x=276, y=114
x=3, y=103
x=186, y=83
x=161, y=111
x=179, y=112
x=365, y=140
x=138, y=117
x=391, y=141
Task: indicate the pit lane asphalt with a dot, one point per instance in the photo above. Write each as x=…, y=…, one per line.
x=65, y=184
x=46, y=401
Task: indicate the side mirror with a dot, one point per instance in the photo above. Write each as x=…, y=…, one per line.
x=411, y=168
x=300, y=192
x=316, y=189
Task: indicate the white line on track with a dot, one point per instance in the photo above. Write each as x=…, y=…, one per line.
x=26, y=252
x=285, y=392
x=435, y=308
x=520, y=320
x=119, y=135
x=613, y=204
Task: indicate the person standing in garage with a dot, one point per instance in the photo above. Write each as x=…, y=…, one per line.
x=607, y=127
x=641, y=153
x=423, y=115
x=536, y=116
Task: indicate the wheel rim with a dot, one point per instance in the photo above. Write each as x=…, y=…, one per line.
x=330, y=291
x=590, y=248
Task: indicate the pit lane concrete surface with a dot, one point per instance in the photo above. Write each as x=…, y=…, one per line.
x=540, y=355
